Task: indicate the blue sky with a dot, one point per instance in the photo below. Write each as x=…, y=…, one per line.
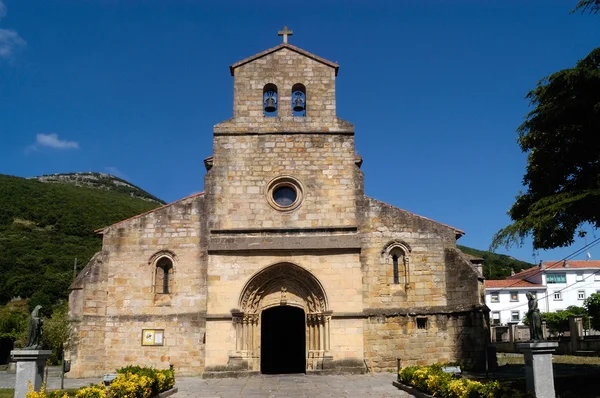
x=435, y=89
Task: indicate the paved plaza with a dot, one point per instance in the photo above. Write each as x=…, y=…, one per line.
x=296, y=385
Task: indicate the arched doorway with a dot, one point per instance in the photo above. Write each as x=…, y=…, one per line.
x=277, y=304
x=283, y=340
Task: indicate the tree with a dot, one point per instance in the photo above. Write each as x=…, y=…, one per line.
x=14, y=319
x=57, y=332
x=592, y=306
x=593, y=6
x=563, y=164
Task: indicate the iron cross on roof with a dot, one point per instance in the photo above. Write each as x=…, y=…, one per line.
x=285, y=33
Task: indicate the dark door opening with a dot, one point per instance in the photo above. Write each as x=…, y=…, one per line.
x=283, y=340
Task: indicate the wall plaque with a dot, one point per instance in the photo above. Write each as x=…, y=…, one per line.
x=153, y=336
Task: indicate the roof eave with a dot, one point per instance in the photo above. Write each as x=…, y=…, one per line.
x=244, y=61
x=100, y=231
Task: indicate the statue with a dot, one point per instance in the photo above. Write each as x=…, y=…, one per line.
x=535, y=319
x=34, y=334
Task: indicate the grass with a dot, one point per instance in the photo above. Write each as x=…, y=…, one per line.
x=517, y=359
x=574, y=377
x=7, y=393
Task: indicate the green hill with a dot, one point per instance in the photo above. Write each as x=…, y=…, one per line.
x=100, y=181
x=497, y=266
x=45, y=227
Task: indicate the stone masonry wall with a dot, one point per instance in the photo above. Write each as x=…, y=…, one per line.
x=446, y=338
x=427, y=239
x=284, y=68
x=244, y=165
x=121, y=300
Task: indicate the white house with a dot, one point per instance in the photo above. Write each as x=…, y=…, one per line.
x=556, y=285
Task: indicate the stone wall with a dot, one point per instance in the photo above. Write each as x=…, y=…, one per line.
x=244, y=165
x=443, y=290
x=114, y=297
x=284, y=68
x=446, y=337
x=382, y=224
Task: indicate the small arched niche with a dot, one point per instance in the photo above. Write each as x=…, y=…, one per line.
x=270, y=100
x=299, y=100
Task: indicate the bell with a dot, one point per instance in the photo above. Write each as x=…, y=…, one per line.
x=270, y=104
x=298, y=104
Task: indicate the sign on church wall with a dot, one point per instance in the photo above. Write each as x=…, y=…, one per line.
x=153, y=336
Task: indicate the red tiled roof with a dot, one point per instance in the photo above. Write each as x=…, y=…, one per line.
x=100, y=230
x=279, y=47
x=572, y=264
x=528, y=273
x=555, y=265
x=491, y=284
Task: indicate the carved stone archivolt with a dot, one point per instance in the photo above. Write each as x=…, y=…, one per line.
x=282, y=284
x=284, y=278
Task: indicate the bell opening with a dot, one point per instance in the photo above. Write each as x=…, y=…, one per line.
x=270, y=100
x=299, y=100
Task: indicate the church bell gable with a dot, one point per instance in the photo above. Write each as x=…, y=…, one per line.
x=280, y=70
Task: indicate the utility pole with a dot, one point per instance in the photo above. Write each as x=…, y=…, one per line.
x=75, y=268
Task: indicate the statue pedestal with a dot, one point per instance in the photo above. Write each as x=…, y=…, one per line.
x=30, y=368
x=539, y=375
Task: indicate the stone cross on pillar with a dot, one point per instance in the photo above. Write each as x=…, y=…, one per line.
x=285, y=33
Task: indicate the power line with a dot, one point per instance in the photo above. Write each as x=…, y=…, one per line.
x=587, y=246
x=555, y=291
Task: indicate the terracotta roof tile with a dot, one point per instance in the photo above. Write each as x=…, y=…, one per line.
x=528, y=273
x=491, y=284
x=100, y=230
x=279, y=47
x=572, y=264
x=555, y=265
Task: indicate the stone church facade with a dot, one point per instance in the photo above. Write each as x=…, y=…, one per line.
x=282, y=264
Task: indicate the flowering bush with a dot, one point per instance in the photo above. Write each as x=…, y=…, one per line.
x=42, y=394
x=131, y=382
x=162, y=380
x=96, y=391
x=433, y=380
x=130, y=385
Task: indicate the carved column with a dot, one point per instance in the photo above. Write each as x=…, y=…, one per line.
x=406, y=271
x=237, y=322
x=321, y=333
x=253, y=319
x=327, y=331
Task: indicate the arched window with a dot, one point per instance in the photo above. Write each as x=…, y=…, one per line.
x=270, y=100
x=397, y=263
x=298, y=100
x=164, y=276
